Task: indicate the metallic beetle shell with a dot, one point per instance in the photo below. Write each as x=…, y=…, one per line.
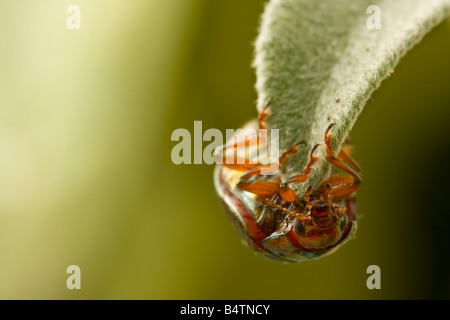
x=244, y=210
x=277, y=246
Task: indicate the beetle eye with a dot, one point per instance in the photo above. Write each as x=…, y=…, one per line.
x=298, y=227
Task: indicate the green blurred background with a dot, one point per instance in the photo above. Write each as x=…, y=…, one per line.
x=86, y=176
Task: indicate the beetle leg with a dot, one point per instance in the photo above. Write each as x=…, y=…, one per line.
x=260, y=187
x=238, y=163
x=342, y=185
x=242, y=143
x=346, y=149
x=291, y=150
x=282, y=159
x=335, y=161
x=285, y=191
x=265, y=187
x=346, y=152
x=263, y=115
x=257, y=170
x=344, y=156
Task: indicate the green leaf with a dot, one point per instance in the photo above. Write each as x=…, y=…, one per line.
x=318, y=62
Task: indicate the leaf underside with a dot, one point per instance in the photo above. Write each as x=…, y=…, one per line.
x=318, y=63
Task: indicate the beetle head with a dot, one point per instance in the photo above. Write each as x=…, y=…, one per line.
x=325, y=227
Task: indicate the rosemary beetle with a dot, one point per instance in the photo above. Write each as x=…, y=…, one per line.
x=268, y=214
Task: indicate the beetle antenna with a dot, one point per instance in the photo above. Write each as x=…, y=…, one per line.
x=304, y=218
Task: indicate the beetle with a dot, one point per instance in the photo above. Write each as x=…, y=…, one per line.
x=266, y=211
